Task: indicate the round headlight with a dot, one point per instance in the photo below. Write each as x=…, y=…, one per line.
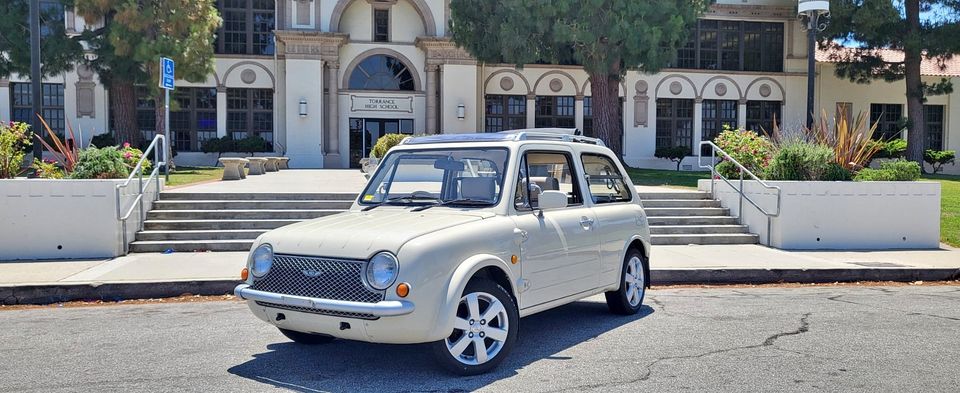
x=262, y=260
x=382, y=270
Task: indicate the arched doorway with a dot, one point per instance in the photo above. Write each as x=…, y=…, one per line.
x=378, y=73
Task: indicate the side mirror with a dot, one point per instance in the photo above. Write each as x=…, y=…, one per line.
x=552, y=199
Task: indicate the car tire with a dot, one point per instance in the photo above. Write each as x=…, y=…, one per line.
x=628, y=298
x=306, y=338
x=459, y=353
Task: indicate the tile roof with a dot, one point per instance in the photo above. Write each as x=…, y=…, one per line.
x=931, y=67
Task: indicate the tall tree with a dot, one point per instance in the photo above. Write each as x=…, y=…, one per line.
x=135, y=34
x=58, y=52
x=873, y=25
x=606, y=37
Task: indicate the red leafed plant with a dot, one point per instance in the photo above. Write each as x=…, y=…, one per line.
x=65, y=155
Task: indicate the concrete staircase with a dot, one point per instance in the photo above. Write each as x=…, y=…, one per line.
x=187, y=222
x=692, y=218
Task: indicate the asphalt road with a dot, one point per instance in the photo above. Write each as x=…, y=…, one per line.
x=760, y=339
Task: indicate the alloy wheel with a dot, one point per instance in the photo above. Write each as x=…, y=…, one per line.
x=480, y=329
x=635, y=281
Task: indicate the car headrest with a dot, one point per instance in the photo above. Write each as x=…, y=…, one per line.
x=546, y=183
x=480, y=188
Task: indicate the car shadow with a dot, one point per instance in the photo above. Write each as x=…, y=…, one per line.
x=356, y=366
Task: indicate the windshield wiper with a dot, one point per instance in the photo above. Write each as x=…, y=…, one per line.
x=462, y=201
x=394, y=200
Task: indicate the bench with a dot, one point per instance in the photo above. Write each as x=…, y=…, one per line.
x=272, y=164
x=233, y=168
x=257, y=165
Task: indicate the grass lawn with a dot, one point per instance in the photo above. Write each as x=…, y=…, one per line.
x=949, y=208
x=188, y=175
x=667, y=178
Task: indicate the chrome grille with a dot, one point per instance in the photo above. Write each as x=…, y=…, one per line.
x=325, y=278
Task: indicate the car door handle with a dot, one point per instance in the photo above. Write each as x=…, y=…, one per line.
x=586, y=222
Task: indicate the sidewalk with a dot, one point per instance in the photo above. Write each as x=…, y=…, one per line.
x=209, y=273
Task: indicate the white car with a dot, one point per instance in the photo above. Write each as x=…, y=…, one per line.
x=454, y=239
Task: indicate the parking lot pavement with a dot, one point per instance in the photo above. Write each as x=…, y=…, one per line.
x=729, y=339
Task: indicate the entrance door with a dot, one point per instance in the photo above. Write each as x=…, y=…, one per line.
x=365, y=132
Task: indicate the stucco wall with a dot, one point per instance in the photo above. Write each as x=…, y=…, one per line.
x=840, y=215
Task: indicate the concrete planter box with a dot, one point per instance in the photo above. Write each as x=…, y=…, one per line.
x=53, y=219
x=839, y=215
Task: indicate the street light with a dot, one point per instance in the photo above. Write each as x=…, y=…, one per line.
x=815, y=15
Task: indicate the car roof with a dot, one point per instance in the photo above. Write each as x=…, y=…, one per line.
x=561, y=135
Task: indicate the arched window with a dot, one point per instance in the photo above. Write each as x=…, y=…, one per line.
x=381, y=72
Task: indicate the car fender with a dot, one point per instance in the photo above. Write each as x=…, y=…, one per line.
x=645, y=251
x=458, y=282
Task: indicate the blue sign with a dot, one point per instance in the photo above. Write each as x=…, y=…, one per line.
x=166, y=73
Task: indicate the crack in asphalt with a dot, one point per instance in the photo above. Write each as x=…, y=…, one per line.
x=769, y=341
x=836, y=298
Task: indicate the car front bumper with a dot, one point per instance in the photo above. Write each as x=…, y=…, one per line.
x=384, y=308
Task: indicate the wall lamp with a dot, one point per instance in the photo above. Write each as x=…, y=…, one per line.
x=461, y=112
x=303, y=107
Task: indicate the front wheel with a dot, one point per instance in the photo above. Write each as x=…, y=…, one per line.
x=484, y=330
x=628, y=298
x=306, y=338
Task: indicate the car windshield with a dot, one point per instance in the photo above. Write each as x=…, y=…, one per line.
x=467, y=177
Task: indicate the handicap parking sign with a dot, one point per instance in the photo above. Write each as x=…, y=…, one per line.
x=166, y=73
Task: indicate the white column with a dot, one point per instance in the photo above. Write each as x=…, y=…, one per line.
x=742, y=114
x=578, y=112
x=531, y=110
x=431, y=92
x=697, y=124
x=332, y=156
x=222, y=111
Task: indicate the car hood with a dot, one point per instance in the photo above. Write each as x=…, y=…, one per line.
x=358, y=235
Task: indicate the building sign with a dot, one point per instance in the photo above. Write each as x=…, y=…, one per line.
x=381, y=104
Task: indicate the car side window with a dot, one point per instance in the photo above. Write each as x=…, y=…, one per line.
x=546, y=171
x=604, y=181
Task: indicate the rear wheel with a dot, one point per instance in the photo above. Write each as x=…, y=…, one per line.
x=306, y=338
x=484, y=330
x=628, y=299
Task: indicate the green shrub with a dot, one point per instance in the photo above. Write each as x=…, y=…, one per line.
x=253, y=144
x=937, y=158
x=870, y=174
x=103, y=140
x=836, y=172
x=747, y=147
x=132, y=155
x=675, y=153
x=897, y=170
x=903, y=170
x=800, y=160
x=385, y=143
x=14, y=141
x=47, y=169
x=95, y=163
x=894, y=148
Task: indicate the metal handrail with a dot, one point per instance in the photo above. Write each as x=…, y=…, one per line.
x=137, y=171
x=714, y=175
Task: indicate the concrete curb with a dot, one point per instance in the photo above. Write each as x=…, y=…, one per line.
x=804, y=276
x=55, y=293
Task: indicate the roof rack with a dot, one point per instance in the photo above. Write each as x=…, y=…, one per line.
x=553, y=134
x=543, y=134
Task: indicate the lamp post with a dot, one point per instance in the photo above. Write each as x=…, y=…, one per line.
x=36, y=96
x=814, y=15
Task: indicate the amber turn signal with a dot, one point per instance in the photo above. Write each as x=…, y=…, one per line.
x=514, y=259
x=244, y=274
x=403, y=289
